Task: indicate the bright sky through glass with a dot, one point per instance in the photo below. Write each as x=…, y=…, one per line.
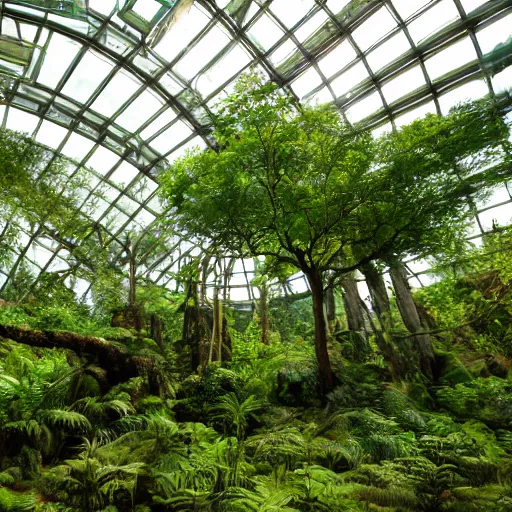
x=97, y=92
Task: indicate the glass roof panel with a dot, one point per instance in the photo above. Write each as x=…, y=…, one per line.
x=146, y=97
x=143, y=107
x=489, y=37
x=416, y=113
x=502, y=81
x=337, y=5
x=306, y=82
x=205, y=50
x=124, y=174
x=320, y=97
x=406, y=8
x=21, y=121
x=265, y=33
x=470, y=91
x=310, y=27
x=364, y=107
x=290, y=17
x=470, y=5
x=279, y=55
x=376, y=27
x=182, y=33
x=102, y=160
x=120, y=87
x=404, y=83
x=460, y=53
x=388, y=51
x=51, y=134
x=170, y=137
x=349, y=79
x=77, y=147
x=103, y=6
x=501, y=215
x=9, y=27
x=162, y=120
x=337, y=58
x=230, y=64
x=82, y=83
x=433, y=19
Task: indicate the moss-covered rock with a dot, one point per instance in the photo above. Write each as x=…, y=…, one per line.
x=478, y=368
x=451, y=369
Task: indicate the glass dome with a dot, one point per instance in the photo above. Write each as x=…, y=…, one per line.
x=123, y=87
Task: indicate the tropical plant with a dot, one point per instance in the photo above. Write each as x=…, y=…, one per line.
x=91, y=484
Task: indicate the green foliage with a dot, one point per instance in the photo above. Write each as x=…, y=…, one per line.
x=400, y=407
x=91, y=484
x=11, y=501
x=235, y=414
x=291, y=317
x=252, y=433
x=486, y=399
x=361, y=386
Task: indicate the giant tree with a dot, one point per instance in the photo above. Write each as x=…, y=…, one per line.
x=300, y=186
x=278, y=186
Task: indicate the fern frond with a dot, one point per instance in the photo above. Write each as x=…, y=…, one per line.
x=11, y=501
x=65, y=419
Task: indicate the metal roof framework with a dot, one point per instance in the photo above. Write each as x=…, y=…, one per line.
x=122, y=103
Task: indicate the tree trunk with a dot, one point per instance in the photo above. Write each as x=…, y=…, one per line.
x=219, y=325
x=226, y=341
x=379, y=296
x=330, y=305
x=156, y=329
x=215, y=353
x=325, y=374
x=194, y=327
x=204, y=276
x=132, y=296
x=133, y=309
x=409, y=314
x=119, y=364
x=352, y=303
x=264, y=313
x=386, y=348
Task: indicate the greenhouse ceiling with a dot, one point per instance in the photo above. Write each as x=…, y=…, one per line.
x=122, y=88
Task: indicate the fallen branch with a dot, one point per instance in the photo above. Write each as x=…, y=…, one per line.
x=115, y=359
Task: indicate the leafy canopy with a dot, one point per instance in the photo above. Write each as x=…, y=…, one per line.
x=302, y=187
x=280, y=182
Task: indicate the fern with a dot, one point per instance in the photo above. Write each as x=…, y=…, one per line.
x=384, y=447
x=278, y=446
x=395, y=497
x=267, y=496
x=11, y=501
x=6, y=478
x=399, y=406
x=65, y=419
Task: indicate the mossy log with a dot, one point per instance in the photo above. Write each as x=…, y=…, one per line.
x=115, y=359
